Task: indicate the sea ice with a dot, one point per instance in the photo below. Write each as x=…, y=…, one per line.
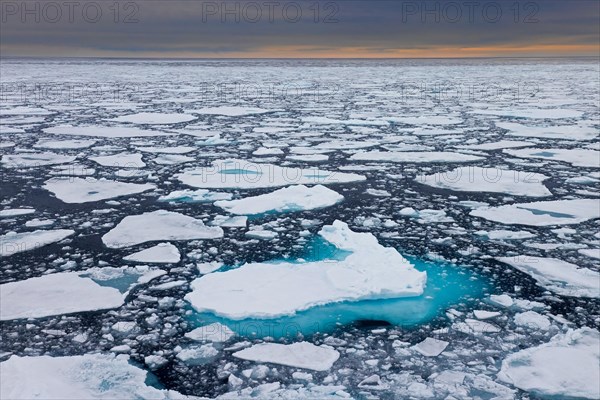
x=103, y=131
x=567, y=366
x=431, y=347
x=292, y=198
x=477, y=179
x=575, y=157
x=63, y=144
x=162, y=253
x=154, y=118
x=55, y=294
x=27, y=160
x=542, y=213
x=78, y=190
x=560, y=132
x=414, y=157
x=121, y=160
x=231, y=111
x=239, y=174
x=90, y=376
x=369, y=271
x=558, y=276
x=215, y=332
x=158, y=225
x=301, y=355
x=12, y=243
x=15, y=212
x=195, y=196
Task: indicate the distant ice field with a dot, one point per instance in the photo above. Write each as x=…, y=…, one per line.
x=328, y=229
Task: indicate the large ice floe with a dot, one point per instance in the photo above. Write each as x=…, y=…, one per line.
x=543, y=213
x=28, y=160
x=231, y=111
x=560, y=132
x=575, y=157
x=12, y=242
x=90, y=376
x=293, y=198
x=121, y=160
x=477, y=179
x=162, y=253
x=103, y=131
x=157, y=226
x=78, y=190
x=240, y=174
x=55, y=294
x=566, y=367
x=369, y=271
x=147, y=118
x=414, y=157
x=302, y=355
x=558, y=276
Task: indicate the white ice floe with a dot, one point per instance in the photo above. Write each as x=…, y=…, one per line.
x=369, y=271
x=560, y=132
x=414, y=157
x=157, y=226
x=154, y=118
x=172, y=159
x=15, y=212
x=12, y=243
x=532, y=320
x=121, y=160
x=215, y=332
x=309, y=157
x=261, y=234
x=431, y=347
x=27, y=160
x=427, y=120
x=567, y=366
x=231, y=111
x=240, y=174
x=575, y=157
x=265, y=151
x=64, y=144
x=475, y=327
x=25, y=110
x=195, y=196
x=55, y=294
x=558, y=276
x=230, y=222
x=90, y=376
x=482, y=314
x=502, y=234
x=592, y=253
x=292, y=198
x=162, y=253
x=103, y=131
x=348, y=122
x=301, y=355
x=499, y=145
x=497, y=180
x=78, y=190
x=533, y=113
x=167, y=150
x=542, y=213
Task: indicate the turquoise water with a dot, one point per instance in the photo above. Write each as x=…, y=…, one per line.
x=447, y=285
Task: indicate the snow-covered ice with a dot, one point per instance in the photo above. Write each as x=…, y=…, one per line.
x=147, y=118
x=302, y=355
x=79, y=190
x=28, y=160
x=414, y=157
x=12, y=242
x=162, y=253
x=292, y=198
x=157, y=226
x=369, y=271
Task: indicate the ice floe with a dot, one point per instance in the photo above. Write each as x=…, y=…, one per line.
x=575, y=157
x=55, y=294
x=12, y=243
x=157, y=226
x=533, y=113
x=560, y=132
x=414, y=157
x=121, y=160
x=16, y=212
x=195, y=196
x=103, y=131
x=542, y=213
x=148, y=118
x=558, y=276
x=477, y=179
x=567, y=366
x=162, y=253
x=64, y=144
x=215, y=332
x=431, y=347
x=239, y=174
x=301, y=355
x=27, y=160
x=231, y=111
x=369, y=271
x=79, y=190
x=90, y=376
x=292, y=198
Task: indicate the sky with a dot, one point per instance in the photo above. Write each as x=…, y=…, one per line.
x=299, y=29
